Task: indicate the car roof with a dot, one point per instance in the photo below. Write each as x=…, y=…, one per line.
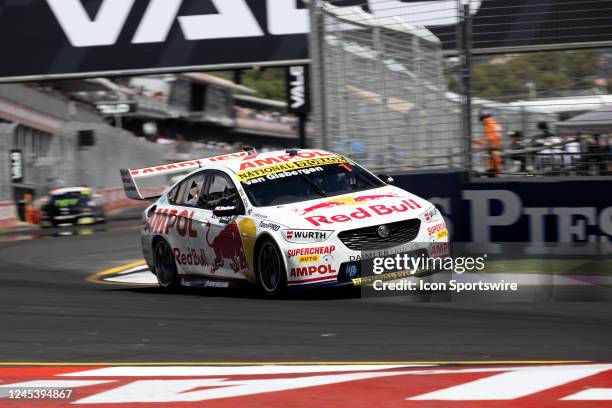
x=66, y=190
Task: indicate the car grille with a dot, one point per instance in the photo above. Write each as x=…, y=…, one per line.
x=365, y=239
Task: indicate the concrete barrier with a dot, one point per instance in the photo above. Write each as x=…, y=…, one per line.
x=8, y=215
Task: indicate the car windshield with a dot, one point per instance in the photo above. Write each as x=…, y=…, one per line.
x=70, y=199
x=309, y=184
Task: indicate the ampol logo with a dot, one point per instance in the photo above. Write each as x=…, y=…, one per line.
x=165, y=219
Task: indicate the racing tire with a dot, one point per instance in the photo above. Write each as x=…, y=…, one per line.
x=165, y=267
x=270, y=272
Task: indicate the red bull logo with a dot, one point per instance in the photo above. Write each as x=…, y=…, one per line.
x=364, y=212
x=338, y=202
x=190, y=257
x=227, y=246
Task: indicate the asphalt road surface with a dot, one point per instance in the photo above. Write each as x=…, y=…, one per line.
x=49, y=312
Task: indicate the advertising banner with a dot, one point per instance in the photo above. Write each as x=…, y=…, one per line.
x=567, y=211
x=67, y=38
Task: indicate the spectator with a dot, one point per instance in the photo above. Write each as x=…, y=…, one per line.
x=571, y=160
x=550, y=157
x=596, y=154
x=492, y=143
x=516, y=145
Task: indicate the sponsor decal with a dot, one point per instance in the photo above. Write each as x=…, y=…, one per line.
x=66, y=202
x=364, y=212
x=253, y=164
x=441, y=250
x=215, y=284
x=308, y=258
x=284, y=174
x=190, y=257
x=164, y=220
x=306, y=236
x=16, y=165
x=338, y=202
x=191, y=164
x=248, y=234
x=442, y=234
x=297, y=89
x=322, y=250
x=430, y=215
x=227, y=246
x=286, y=167
x=161, y=169
x=269, y=225
x=308, y=271
x=436, y=229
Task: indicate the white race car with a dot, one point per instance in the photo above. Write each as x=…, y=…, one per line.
x=281, y=219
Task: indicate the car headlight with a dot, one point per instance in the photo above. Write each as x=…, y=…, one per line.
x=302, y=236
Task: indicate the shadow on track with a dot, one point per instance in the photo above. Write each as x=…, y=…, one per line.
x=248, y=292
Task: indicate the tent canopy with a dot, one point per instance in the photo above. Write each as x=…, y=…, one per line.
x=596, y=122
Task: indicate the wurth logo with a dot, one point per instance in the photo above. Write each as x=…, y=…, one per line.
x=315, y=386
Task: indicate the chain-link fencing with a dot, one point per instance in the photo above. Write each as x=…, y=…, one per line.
x=442, y=84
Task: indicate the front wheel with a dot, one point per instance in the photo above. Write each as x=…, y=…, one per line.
x=165, y=267
x=271, y=274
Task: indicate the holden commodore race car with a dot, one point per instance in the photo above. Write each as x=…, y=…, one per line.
x=72, y=206
x=295, y=218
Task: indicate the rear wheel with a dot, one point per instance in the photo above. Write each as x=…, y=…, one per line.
x=271, y=274
x=165, y=267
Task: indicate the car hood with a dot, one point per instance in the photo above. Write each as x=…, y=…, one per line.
x=348, y=211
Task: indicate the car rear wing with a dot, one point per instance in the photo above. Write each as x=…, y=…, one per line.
x=131, y=177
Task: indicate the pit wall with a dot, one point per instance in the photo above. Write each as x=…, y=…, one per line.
x=518, y=211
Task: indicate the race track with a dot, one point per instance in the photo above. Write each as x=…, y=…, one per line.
x=49, y=312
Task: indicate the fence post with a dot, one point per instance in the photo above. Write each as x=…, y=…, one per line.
x=464, y=44
x=319, y=85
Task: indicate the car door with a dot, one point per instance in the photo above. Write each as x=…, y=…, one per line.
x=183, y=235
x=221, y=235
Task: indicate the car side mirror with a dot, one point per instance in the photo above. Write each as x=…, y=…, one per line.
x=386, y=178
x=226, y=211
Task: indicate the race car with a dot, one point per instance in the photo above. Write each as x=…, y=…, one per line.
x=295, y=218
x=72, y=206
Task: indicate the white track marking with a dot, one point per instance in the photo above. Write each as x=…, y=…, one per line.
x=177, y=390
x=142, y=278
x=592, y=394
x=515, y=384
x=191, y=371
